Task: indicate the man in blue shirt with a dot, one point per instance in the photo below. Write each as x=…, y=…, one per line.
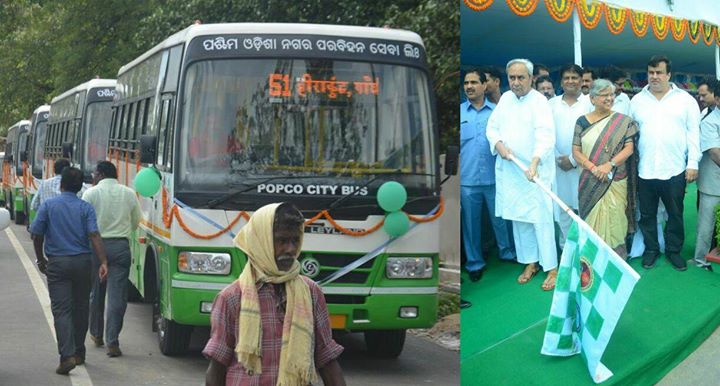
x=65, y=227
x=477, y=176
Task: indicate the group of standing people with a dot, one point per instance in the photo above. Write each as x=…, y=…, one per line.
x=82, y=246
x=610, y=158
x=270, y=326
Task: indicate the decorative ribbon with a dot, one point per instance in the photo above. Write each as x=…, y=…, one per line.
x=370, y=255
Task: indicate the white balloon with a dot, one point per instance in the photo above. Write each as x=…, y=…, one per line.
x=4, y=219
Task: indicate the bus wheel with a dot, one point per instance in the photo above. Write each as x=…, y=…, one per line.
x=173, y=338
x=133, y=294
x=11, y=207
x=385, y=343
x=19, y=218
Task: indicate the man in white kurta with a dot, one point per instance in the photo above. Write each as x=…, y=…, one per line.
x=566, y=109
x=522, y=125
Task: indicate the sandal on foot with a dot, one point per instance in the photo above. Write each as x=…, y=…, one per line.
x=552, y=275
x=527, y=275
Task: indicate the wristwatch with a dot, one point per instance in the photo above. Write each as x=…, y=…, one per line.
x=613, y=164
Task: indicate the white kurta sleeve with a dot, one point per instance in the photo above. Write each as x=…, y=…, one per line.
x=544, y=129
x=693, y=134
x=492, y=131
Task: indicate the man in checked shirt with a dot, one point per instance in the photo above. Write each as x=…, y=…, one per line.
x=265, y=323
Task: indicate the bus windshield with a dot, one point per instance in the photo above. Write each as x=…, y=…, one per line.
x=97, y=129
x=330, y=122
x=39, y=154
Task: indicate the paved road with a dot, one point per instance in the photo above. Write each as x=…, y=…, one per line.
x=28, y=353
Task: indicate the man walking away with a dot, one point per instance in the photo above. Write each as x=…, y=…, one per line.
x=69, y=226
x=118, y=215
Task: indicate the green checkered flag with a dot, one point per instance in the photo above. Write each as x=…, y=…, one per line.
x=593, y=285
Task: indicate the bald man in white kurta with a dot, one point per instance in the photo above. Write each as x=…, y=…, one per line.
x=525, y=126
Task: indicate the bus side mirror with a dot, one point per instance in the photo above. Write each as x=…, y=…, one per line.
x=23, y=156
x=148, y=149
x=67, y=149
x=451, y=160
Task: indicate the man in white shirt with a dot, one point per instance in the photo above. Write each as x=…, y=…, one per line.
x=618, y=77
x=492, y=90
x=566, y=109
x=544, y=85
x=522, y=125
x=588, y=76
x=669, y=149
x=708, y=182
x=706, y=96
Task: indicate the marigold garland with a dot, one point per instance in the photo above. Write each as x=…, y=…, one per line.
x=677, y=28
x=168, y=214
x=522, y=7
x=590, y=15
x=660, y=26
x=708, y=31
x=478, y=5
x=560, y=10
x=615, y=19
x=694, y=28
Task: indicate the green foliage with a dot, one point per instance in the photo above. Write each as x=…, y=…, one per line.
x=49, y=46
x=448, y=304
x=717, y=224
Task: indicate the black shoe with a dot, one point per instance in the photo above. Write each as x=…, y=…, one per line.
x=649, y=259
x=476, y=275
x=465, y=304
x=66, y=365
x=677, y=262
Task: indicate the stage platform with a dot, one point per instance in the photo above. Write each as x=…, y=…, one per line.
x=669, y=315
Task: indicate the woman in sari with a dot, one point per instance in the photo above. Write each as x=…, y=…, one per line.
x=603, y=146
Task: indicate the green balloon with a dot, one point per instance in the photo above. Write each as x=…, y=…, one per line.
x=396, y=224
x=147, y=182
x=391, y=196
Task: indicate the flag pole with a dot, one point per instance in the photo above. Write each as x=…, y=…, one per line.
x=567, y=209
x=548, y=191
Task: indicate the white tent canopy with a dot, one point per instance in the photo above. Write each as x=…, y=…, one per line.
x=495, y=35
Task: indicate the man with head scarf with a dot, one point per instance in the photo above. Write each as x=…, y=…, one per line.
x=265, y=323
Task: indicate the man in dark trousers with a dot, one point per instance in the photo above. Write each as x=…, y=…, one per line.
x=64, y=229
x=118, y=215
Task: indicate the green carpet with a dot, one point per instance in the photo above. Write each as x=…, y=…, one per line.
x=669, y=315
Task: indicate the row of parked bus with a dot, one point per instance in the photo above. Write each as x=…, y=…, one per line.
x=236, y=116
x=77, y=130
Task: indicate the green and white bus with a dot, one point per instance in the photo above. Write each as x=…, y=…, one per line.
x=236, y=116
x=13, y=191
x=78, y=126
x=33, y=167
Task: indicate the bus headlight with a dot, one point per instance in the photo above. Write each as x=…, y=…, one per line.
x=204, y=262
x=409, y=268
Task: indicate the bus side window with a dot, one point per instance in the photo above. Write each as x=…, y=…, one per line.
x=111, y=132
x=141, y=125
x=162, y=136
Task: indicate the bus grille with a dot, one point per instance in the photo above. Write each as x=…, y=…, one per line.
x=331, y=263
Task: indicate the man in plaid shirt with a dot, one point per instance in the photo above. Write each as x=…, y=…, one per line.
x=272, y=348
x=50, y=187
